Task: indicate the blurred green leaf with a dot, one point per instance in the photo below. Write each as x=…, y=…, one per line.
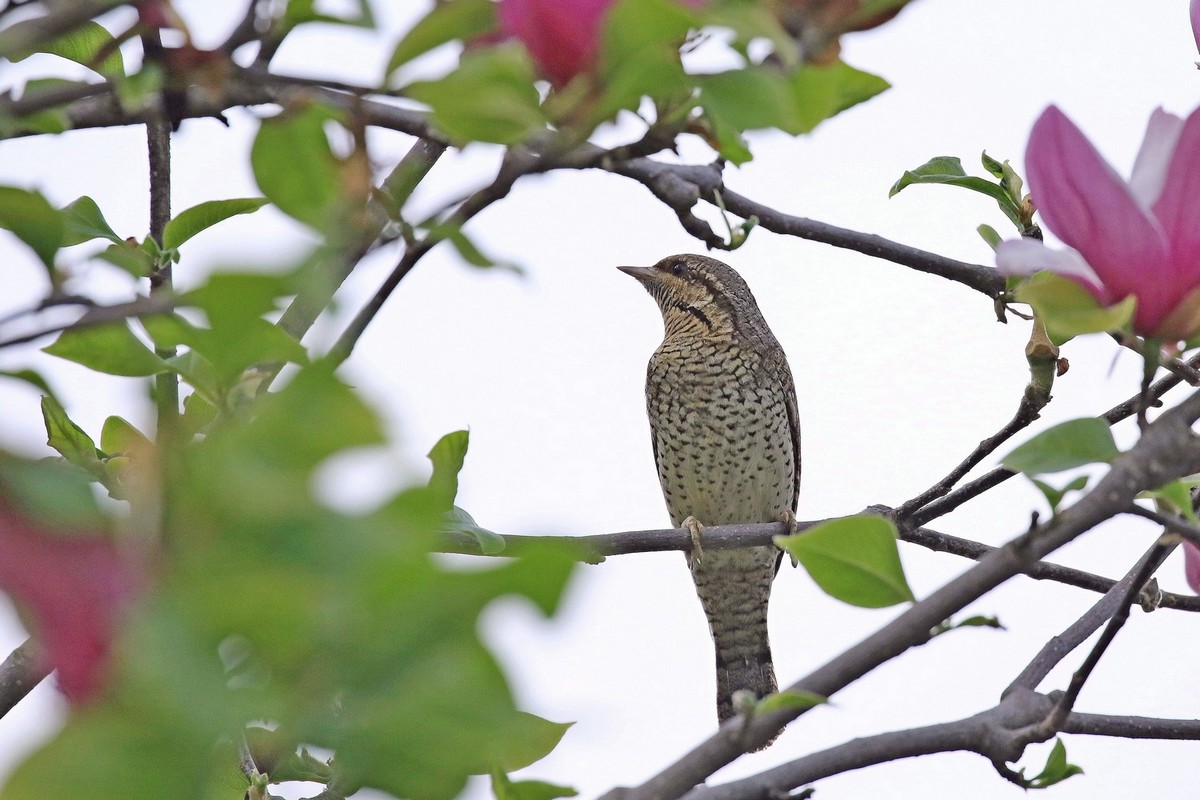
x=1068, y=309
x=448, y=455
x=820, y=92
x=120, y=436
x=643, y=30
x=32, y=378
x=33, y=220
x=853, y=559
x=129, y=257
x=989, y=235
x=490, y=97
x=195, y=219
x=1176, y=496
x=504, y=788
x=89, y=44
x=54, y=491
x=83, y=221
x=740, y=100
x=459, y=521
x=110, y=348
x=461, y=20
x=299, y=12
x=797, y=701
x=1063, y=446
x=296, y=168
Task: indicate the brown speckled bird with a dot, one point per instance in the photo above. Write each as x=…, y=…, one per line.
x=726, y=438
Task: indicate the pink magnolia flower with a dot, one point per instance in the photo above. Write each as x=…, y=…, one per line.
x=1139, y=237
x=74, y=589
x=562, y=36
x=1191, y=555
x=1195, y=11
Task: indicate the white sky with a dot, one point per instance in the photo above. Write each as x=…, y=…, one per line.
x=899, y=375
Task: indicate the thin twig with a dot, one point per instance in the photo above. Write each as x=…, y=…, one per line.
x=19, y=673
x=99, y=315
x=158, y=140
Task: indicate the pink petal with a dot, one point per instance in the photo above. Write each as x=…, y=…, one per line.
x=1150, y=167
x=1027, y=256
x=1191, y=553
x=562, y=36
x=1178, y=209
x=1195, y=12
x=1089, y=207
x=74, y=588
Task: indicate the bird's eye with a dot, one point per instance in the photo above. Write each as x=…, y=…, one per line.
x=678, y=268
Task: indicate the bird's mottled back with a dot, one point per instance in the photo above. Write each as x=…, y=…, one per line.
x=726, y=439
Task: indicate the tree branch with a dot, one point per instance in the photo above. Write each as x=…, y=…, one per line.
x=19, y=673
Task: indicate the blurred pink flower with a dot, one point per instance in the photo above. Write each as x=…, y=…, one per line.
x=562, y=36
x=74, y=589
x=1191, y=559
x=1139, y=237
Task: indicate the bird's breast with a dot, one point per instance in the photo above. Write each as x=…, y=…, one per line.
x=722, y=438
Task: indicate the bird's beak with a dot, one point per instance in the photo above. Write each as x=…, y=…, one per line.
x=643, y=274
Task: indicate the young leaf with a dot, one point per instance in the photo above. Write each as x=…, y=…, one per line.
x=1055, y=496
x=1177, y=497
x=460, y=20
x=33, y=220
x=820, y=92
x=89, y=44
x=948, y=170
x=854, y=559
x=83, y=221
x=111, y=348
x=1066, y=445
x=989, y=235
x=70, y=440
x=1068, y=309
x=459, y=521
x=447, y=457
x=120, y=436
x=1057, y=768
x=195, y=219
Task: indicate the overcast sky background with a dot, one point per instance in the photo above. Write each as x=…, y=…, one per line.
x=899, y=375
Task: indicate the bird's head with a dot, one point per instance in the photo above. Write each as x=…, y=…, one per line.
x=696, y=294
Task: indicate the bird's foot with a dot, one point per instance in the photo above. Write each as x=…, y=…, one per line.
x=788, y=518
x=695, y=529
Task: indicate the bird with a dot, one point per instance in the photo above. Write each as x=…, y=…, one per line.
x=726, y=439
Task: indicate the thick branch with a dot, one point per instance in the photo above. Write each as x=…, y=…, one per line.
x=1167, y=450
x=19, y=673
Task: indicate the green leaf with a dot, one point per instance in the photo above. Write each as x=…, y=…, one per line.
x=490, y=97
x=110, y=348
x=120, y=436
x=948, y=170
x=296, y=168
x=1057, y=769
x=1055, y=496
x=750, y=99
x=301, y=11
x=53, y=491
x=789, y=700
x=820, y=92
x=195, y=219
x=854, y=559
x=130, y=258
x=992, y=165
x=83, y=221
x=70, y=440
x=989, y=235
x=1068, y=309
x=89, y=44
x=32, y=378
x=460, y=20
x=448, y=456
x=1066, y=445
x=506, y=789
x=33, y=220
x=643, y=31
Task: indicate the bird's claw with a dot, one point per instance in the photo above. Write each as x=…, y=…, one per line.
x=695, y=529
x=788, y=518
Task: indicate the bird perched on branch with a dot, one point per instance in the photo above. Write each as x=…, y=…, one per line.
x=726, y=439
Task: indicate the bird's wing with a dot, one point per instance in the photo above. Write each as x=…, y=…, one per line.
x=784, y=376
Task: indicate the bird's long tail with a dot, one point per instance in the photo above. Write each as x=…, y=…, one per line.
x=734, y=586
